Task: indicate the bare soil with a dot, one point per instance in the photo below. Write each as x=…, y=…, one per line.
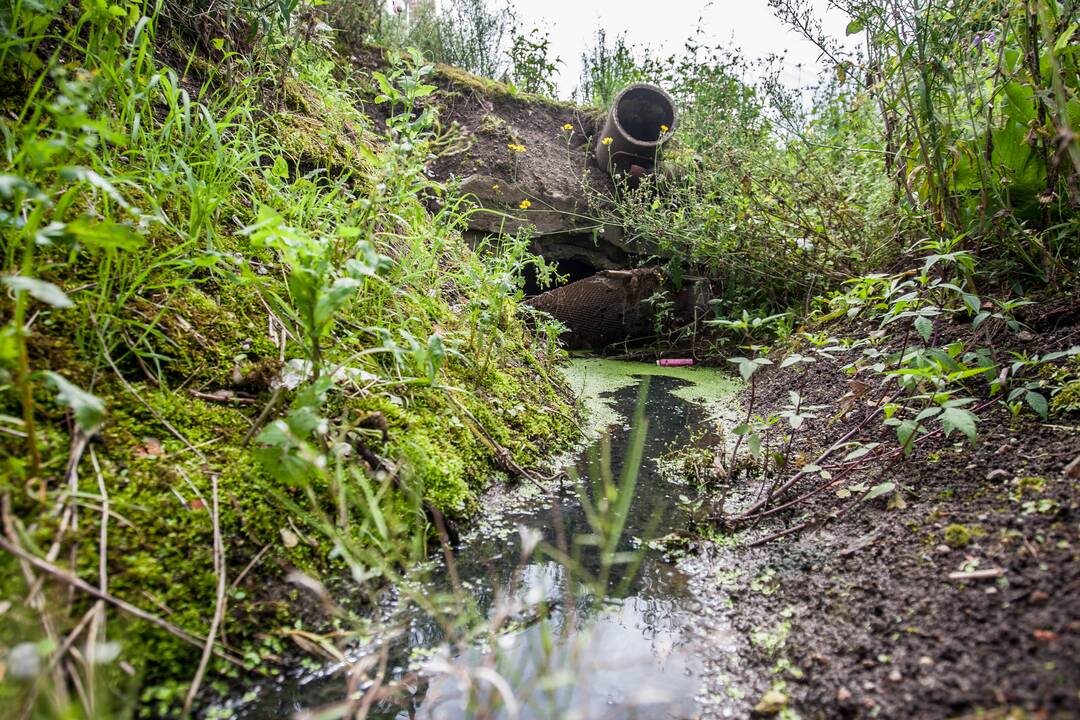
x=860, y=617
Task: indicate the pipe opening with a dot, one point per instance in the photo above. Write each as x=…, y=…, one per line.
x=572, y=268
x=641, y=111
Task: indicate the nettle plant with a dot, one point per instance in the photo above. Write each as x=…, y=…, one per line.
x=935, y=378
x=532, y=67
x=931, y=385
x=409, y=127
x=319, y=288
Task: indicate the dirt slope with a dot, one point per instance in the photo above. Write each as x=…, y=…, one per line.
x=959, y=596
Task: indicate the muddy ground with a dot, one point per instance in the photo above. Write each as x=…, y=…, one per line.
x=860, y=618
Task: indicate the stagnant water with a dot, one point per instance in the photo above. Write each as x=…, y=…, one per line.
x=574, y=650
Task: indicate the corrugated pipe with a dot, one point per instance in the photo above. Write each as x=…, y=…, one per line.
x=641, y=120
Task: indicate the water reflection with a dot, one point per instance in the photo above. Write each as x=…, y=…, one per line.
x=567, y=653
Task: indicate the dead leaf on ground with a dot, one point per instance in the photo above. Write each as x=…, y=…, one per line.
x=1045, y=635
x=150, y=447
x=1072, y=470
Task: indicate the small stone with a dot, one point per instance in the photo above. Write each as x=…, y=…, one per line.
x=926, y=661
x=1024, y=336
x=998, y=474
x=943, y=549
x=843, y=695
x=1003, y=449
x=1038, y=597
x=1045, y=635
x=771, y=703
x=895, y=676
x=1072, y=470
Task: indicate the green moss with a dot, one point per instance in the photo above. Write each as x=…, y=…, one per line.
x=307, y=140
x=957, y=536
x=492, y=124
x=1067, y=399
x=771, y=641
x=179, y=328
x=466, y=80
x=1027, y=486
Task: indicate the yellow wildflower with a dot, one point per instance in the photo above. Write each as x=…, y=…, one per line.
x=525, y=205
x=608, y=140
x=516, y=148
x=664, y=128
x=567, y=126
x=495, y=187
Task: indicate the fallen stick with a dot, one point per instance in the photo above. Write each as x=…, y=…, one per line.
x=219, y=605
x=987, y=574
x=502, y=455
x=80, y=584
x=222, y=396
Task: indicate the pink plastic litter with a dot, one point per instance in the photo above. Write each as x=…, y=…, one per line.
x=675, y=362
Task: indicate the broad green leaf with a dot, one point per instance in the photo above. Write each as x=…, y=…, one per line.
x=879, y=490
x=1037, y=402
x=331, y=300
x=853, y=27
x=955, y=418
x=859, y=452
x=925, y=327
x=755, y=445
x=104, y=234
x=436, y=355
x=1074, y=350
x=88, y=409
x=928, y=413
x=280, y=168
x=82, y=174
x=905, y=430
x=1064, y=38
x=11, y=184
x=9, y=345
x=41, y=290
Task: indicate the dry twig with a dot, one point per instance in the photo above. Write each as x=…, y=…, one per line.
x=219, y=605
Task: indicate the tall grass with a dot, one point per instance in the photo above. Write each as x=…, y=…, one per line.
x=210, y=257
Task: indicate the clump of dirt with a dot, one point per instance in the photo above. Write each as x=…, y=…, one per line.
x=956, y=596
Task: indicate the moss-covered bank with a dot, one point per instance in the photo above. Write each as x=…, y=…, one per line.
x=194, y=335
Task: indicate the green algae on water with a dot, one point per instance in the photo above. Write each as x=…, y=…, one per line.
x=593, y=380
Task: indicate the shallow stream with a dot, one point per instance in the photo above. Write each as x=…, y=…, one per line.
x=571, y=646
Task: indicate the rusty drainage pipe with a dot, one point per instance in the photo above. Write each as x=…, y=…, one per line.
x=641, y=120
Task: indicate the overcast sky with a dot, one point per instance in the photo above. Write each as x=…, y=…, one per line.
x=664, y=25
